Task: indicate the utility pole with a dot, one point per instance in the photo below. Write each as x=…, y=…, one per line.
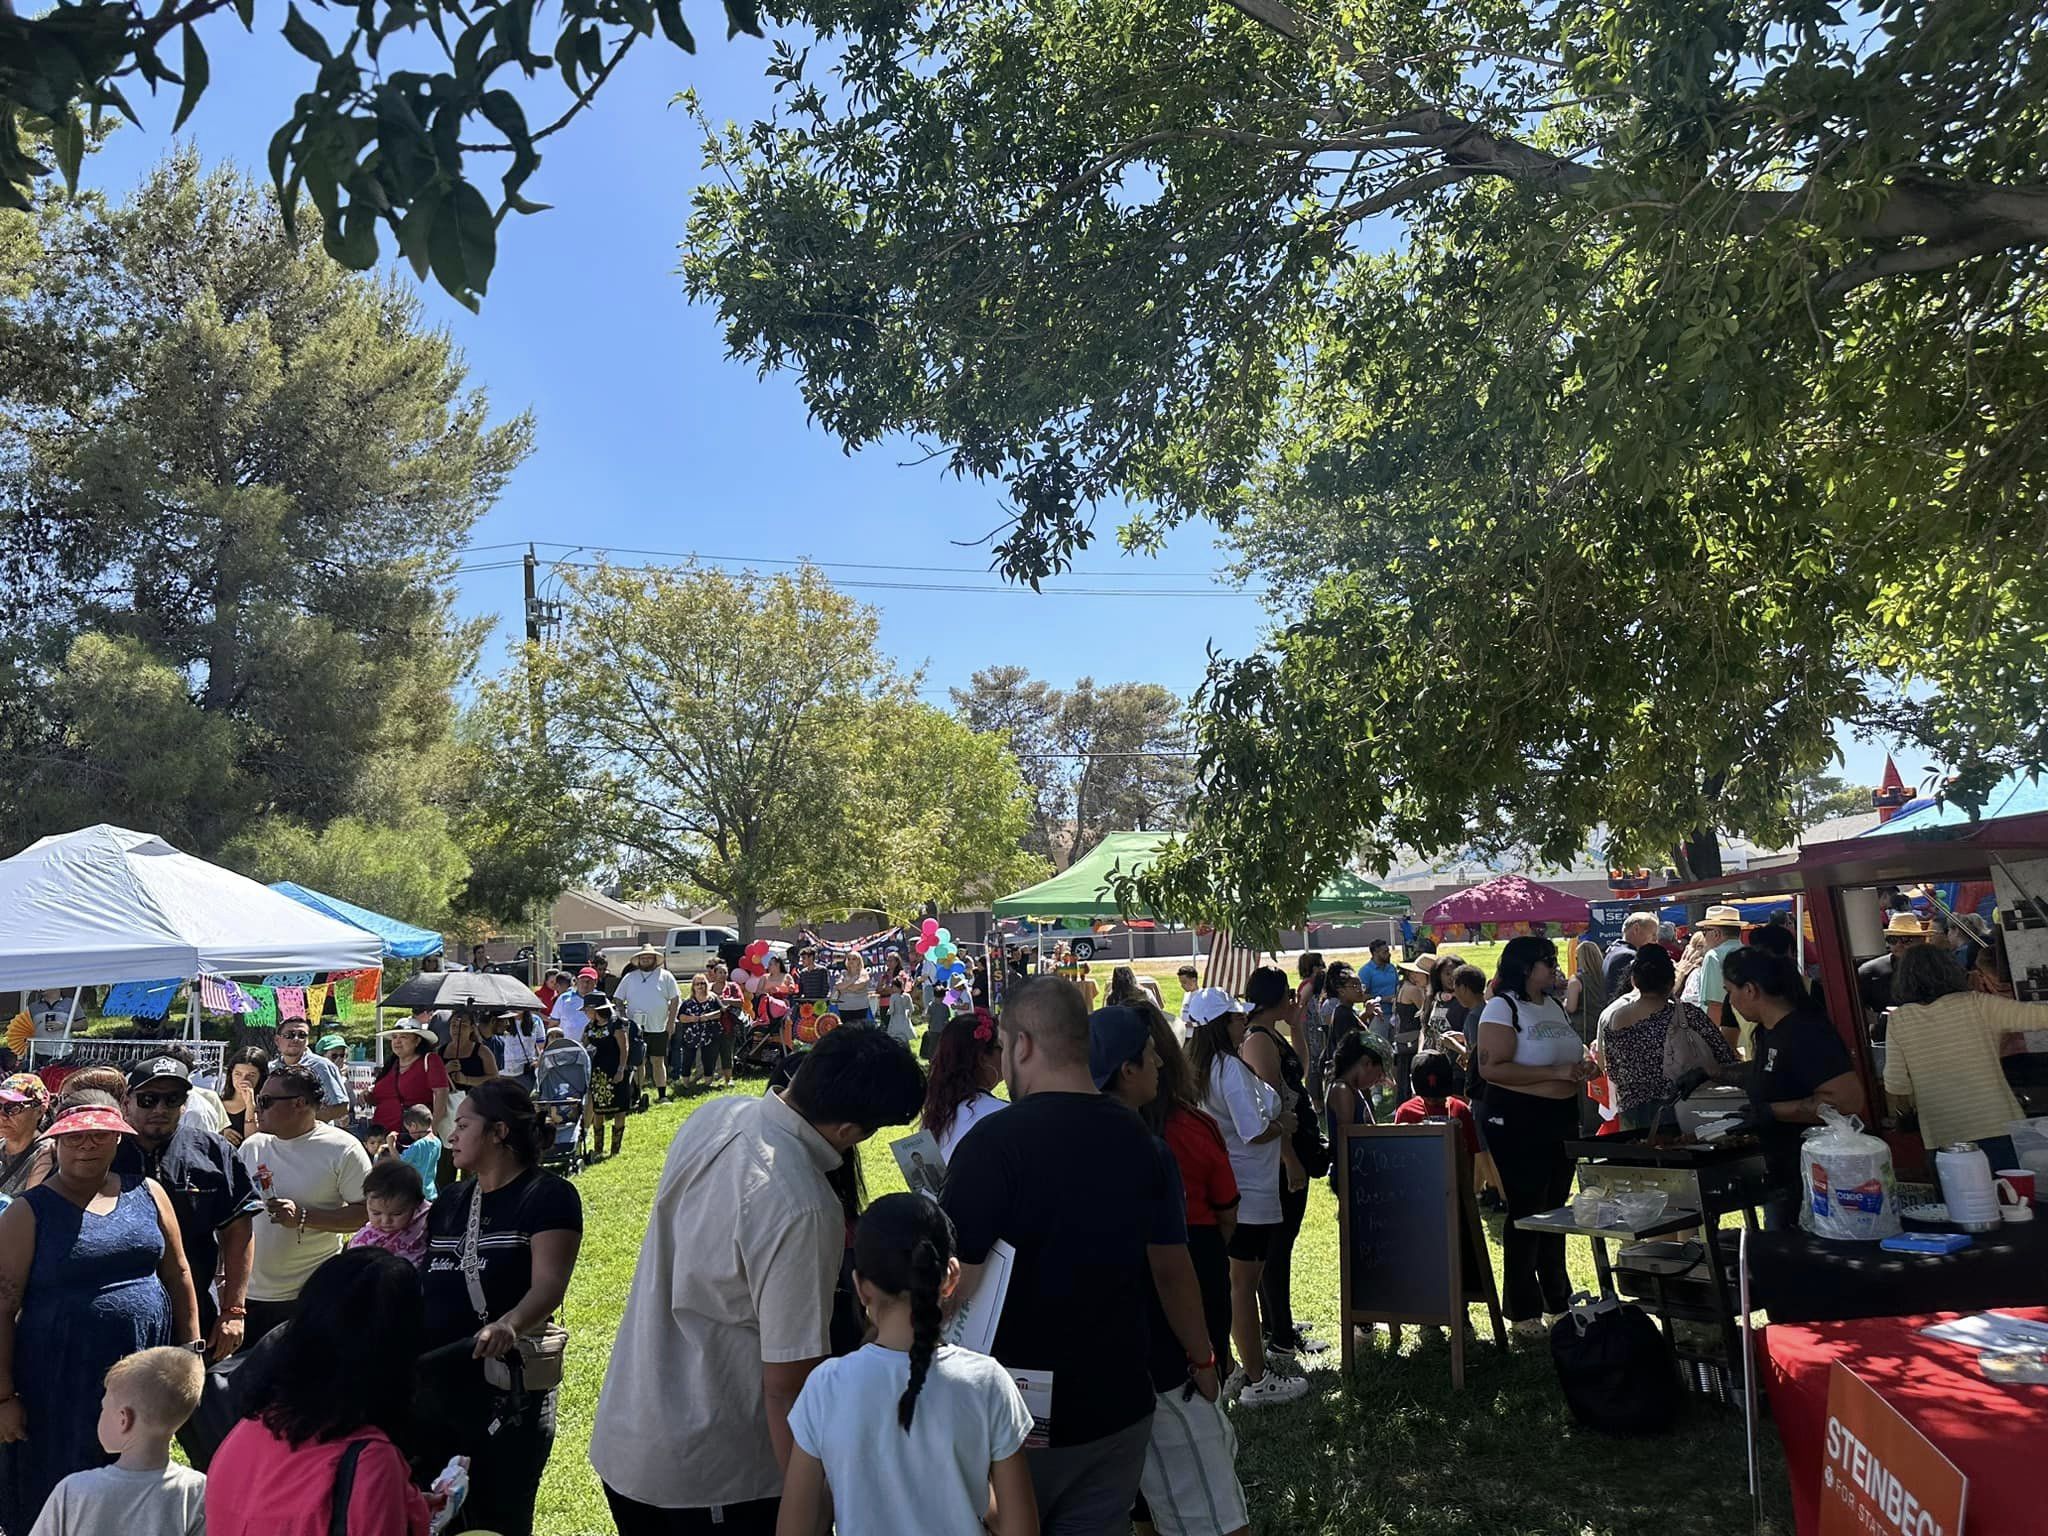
x=543, y=936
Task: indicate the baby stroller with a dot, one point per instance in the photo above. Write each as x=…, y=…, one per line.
x=562, y=1098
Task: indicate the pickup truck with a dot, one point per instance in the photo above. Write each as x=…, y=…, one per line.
x=687, y=950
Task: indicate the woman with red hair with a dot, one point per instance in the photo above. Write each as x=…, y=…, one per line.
x=965, y=1071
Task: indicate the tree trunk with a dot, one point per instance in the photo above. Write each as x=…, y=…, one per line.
x=746, y=917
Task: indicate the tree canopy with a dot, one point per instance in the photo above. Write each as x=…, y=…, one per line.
x=1095, y=758
x=1612, y=396
x=745, y=738
x=376, y=138
x=232, y=479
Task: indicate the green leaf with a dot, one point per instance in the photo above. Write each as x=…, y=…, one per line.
x=673, y=26
x=67, y=143
x=520, y=204
x=415, y=226
x=305, y=37
x=352, y=239
x=197, y=73
x=463, y=245
x=246, y=9
x=742, y=16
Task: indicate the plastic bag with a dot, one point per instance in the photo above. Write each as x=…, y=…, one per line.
x=1850, y=1193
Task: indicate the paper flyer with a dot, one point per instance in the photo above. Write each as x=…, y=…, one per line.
x=976, y=1312
x=924, y=1170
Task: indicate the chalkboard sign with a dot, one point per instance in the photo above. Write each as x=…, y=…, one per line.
x=1411, y=1247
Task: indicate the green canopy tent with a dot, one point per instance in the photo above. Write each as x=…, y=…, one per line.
x=1081, y=891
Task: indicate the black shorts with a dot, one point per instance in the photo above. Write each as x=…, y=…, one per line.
x=1251, y=1240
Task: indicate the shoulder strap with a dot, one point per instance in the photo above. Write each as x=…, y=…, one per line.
x=344, y=1487
x=470, y=1263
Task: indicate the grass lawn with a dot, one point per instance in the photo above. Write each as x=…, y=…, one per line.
x=1397, y=1453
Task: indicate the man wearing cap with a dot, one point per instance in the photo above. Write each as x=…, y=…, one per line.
x=570, y=1013
x=651, y=998
x=212, y=1193
x=1874, y=977
x=1722, y=924
x=294, y=1041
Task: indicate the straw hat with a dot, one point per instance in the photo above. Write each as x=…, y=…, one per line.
x=1906, y=925
x=1721, y=915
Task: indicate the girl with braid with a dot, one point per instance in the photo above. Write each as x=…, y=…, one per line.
x=907, y=1436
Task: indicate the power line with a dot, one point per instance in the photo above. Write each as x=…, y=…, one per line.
x=840, y=565
x=907, y=586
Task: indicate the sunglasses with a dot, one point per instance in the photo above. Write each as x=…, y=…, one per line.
x=158, y=1100
x=9, y=1111
x=282, y=1098
x=293, y=1034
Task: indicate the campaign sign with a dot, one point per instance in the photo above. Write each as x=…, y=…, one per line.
x=1879, y=1475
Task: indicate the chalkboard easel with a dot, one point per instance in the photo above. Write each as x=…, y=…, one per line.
x=1410, y=1245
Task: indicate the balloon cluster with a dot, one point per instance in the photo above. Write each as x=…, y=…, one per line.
x=754, y=962
x=936, y=945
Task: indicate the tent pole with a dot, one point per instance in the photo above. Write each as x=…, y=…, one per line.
x=71, y=1015
x=1799, y=930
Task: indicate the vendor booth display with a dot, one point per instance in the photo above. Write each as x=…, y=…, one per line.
x=1081, y=891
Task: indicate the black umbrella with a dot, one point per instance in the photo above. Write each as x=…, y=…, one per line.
x=464, y=989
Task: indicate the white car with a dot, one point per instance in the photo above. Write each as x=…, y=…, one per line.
x=688, y=950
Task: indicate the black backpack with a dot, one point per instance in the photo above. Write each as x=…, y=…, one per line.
x=1617, y=1368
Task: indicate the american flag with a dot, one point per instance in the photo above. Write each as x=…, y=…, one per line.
x=1230, y=965
x=219, y=995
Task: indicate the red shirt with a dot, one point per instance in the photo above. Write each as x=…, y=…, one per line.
x=258, y=1485
x=1205, y=1175
x=546, y=996
x=1415, y=1111
x=391, y=1092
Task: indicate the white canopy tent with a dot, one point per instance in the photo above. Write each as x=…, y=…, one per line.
x=105, y=904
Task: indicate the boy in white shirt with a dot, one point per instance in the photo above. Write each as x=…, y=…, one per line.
x=148, y=1398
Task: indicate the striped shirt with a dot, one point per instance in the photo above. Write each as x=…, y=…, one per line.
x=1944, y=1056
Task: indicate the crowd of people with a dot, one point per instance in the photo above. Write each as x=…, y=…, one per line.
x=302, y=1284
x=333, y=1296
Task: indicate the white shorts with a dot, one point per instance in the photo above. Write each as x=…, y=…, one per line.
x=1190, y=1477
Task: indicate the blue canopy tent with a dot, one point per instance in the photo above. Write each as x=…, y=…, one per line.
x=2017, y=795
x=402, y=941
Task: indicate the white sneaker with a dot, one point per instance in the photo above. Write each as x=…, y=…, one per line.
x=1529, y=1328
x=1272, y=1388
x=1233, y=1384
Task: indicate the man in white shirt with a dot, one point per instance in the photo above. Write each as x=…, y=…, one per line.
x=731, y=1306
x=311, y=1178
x=294, y=1037
x=568, y=1014
x=649, y=994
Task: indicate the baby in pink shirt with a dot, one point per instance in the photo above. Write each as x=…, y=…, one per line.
x=398, y=1208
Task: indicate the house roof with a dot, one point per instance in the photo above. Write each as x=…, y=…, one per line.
x=628, y=912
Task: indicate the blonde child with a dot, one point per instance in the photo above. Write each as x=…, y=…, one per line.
x=906, y=1422
x=147, y=1400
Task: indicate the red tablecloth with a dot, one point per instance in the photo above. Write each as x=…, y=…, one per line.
x=1997, y=1435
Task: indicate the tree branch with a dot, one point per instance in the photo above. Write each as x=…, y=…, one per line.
x=1928, y=257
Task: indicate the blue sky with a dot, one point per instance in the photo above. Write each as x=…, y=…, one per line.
x=650, y=438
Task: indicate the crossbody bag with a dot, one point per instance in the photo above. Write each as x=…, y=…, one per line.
x=535, y=1364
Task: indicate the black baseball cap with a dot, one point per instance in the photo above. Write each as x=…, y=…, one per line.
x=160, y=1067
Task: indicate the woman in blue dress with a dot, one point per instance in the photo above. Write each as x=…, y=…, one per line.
x=90, y=1272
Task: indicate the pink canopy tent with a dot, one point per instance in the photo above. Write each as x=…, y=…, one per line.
x=1509, y=899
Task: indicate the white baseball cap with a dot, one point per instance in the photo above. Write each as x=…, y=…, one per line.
x=1205, y=1005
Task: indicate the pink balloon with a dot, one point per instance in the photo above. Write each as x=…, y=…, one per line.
x=925, y=945
x=929, y=927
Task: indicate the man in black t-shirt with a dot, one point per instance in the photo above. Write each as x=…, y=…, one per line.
x=1090, y=1201
x=1797, y=1064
